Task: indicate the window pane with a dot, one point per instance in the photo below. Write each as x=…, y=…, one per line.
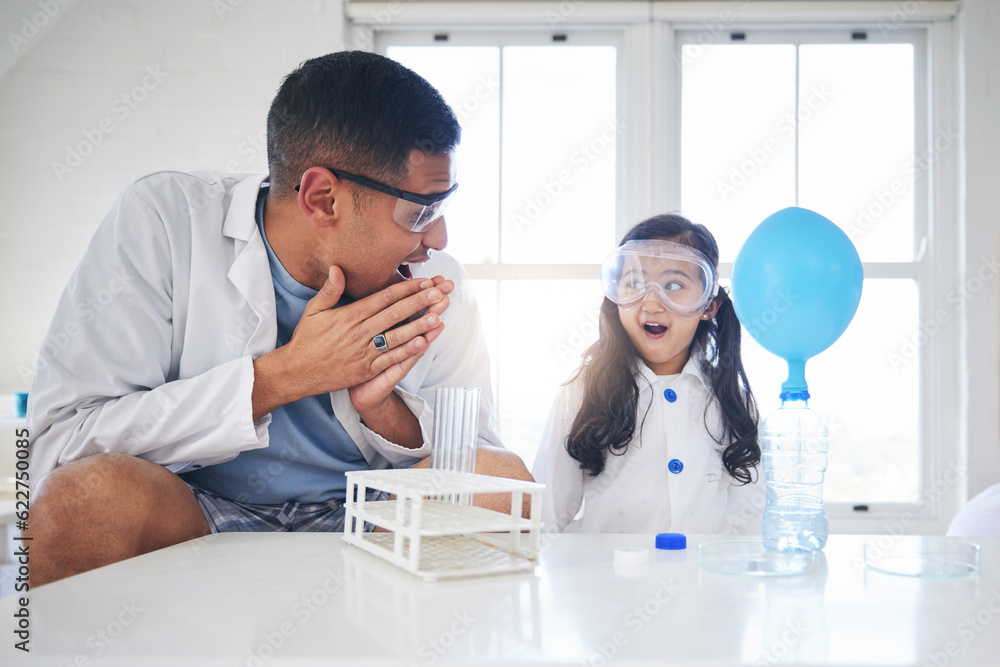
x=486, y=296
x=738, y=137
x=468, y=78
x=866, y=386
x=549, y=199
x=559, y=139
x=545, y=325
x=856, y=153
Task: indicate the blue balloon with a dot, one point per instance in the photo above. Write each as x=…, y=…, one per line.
x=796, y=286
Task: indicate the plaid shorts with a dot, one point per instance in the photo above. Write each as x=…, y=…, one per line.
x=225, y=515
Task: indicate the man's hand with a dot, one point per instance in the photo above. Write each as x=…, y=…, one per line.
x=380, y=409
x=370, y=395
x=332, y=349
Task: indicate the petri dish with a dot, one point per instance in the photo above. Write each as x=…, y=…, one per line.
x=922, y=556
x=749, y=558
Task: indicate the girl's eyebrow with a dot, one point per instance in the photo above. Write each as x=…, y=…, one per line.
x=634, y=271
x=670, y=271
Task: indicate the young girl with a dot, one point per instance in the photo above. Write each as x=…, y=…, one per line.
x=657, y=430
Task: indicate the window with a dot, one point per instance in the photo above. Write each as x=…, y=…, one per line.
x=827, y=121
x=726, y=116
x=535, y=213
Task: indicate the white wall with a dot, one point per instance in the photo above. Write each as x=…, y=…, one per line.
x=24, y=23
x=217, y=64
x=979, y=28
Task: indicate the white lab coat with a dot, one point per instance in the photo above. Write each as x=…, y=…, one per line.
x=636, y=492
x=151, y=348
x=980, y=517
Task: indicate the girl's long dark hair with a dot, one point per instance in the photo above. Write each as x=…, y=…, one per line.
x=606, y=421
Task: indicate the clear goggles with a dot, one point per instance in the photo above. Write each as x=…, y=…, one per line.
x=681, y=277
x=414, y=212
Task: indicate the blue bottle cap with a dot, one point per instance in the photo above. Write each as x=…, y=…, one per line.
x=20, y=404
x=672, y=541
x=795, y=395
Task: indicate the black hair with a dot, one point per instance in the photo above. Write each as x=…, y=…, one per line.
x=607, y=418
x=356, y=111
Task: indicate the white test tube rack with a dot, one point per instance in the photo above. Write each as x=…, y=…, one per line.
x=440, y=539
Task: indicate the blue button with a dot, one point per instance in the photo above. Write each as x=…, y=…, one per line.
x=675, y=466
x=670, y=395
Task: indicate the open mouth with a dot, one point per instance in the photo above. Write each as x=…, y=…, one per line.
x=654, y=329
x=405, y=270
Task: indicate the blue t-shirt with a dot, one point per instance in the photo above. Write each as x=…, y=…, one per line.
x=309, y=449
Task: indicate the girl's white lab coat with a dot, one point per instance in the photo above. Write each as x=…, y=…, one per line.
x=151, y=348
x=637, y=492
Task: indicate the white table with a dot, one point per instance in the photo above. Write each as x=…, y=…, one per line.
x=310, y=599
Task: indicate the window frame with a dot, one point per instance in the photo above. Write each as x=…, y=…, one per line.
x=532, y=36
x=649, y=177
x=921, y=269
x=501, y=271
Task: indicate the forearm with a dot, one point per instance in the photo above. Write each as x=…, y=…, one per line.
x=271, y=388
x=278, y=381
x=200, y=417
x=392, y=420
x=280, y=378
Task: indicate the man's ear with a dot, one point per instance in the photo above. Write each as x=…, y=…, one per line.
x=323, y=198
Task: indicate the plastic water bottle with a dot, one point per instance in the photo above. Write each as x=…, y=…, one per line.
x=793, y=449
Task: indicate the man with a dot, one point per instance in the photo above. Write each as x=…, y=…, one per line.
x=229, y=346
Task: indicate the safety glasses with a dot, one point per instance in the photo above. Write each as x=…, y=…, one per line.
x=414, y=212
x=682, y=278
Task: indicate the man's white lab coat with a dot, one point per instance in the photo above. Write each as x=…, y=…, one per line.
x=151, y=348
x=671, y=481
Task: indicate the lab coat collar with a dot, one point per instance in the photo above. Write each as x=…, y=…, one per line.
x=250, y=272
x=240, y=221
x=691, y=371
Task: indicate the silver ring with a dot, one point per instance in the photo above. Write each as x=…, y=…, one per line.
x=380, y=343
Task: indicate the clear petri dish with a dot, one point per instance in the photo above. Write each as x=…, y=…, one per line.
x=921, y=556
x=749, y=558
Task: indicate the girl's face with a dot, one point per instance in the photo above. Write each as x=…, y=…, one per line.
x=661, y=338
